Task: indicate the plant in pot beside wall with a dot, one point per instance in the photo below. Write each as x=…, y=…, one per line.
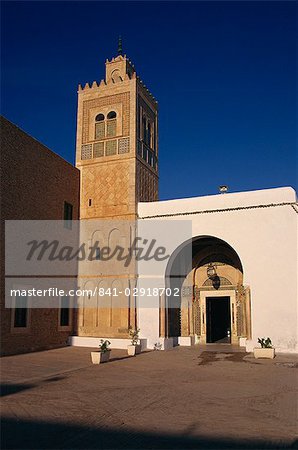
x=266, y=350
x=103, y=355
x=135, y=347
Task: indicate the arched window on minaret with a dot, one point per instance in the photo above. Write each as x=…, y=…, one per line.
x=116, y=76
x=144, y=133
x=99, y=126
x=149, y=135
x=111, y=124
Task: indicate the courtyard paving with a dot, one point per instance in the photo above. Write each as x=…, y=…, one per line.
x=199, y=397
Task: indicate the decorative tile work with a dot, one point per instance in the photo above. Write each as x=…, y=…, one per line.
x=98, y=149
x=147, y=184
x=111, y=148
x=86, y=151
x=187, y=291
x=109, y=186
x=123, y=146
x=222, y=282
x=197, y=318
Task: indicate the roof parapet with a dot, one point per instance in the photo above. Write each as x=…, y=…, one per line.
x=117, y=58
x=146, y=89
x=94, y=85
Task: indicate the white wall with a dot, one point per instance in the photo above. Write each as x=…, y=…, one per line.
x=265, y=239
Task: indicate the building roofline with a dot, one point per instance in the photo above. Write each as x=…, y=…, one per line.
x=45, y=148
x=219, y=203
x=294, y=205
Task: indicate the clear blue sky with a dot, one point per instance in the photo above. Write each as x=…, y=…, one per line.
x=223, y=73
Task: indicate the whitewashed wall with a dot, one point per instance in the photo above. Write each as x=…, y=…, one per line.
x=265, y=238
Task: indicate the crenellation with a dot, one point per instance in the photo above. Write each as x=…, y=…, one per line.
x=145, y=89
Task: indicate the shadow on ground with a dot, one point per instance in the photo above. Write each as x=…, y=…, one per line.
x=206, y=358
x=9, y=389
x=18, y=434
x=14, y=388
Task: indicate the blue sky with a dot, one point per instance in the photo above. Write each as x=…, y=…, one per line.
x=223, y=73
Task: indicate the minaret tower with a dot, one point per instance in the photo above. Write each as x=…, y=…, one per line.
x=117, y=155
x=117, y=143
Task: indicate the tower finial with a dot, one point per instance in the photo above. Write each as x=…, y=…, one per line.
x=120, y=46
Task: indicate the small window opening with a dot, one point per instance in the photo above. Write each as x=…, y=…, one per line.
x=112, y=115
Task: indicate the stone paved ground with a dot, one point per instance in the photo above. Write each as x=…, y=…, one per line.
x=184, y=398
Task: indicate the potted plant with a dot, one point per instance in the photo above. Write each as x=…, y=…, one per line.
x=157, y=346
x=134, y=348
x=104, y=353
x=266, y=350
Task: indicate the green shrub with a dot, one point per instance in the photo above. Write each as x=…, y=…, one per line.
x=265, y=343
x=134, y=334
x=104, y=346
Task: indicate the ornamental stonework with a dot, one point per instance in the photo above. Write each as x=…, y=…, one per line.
x=109, y=187
x=147, y=184
x=106, y=101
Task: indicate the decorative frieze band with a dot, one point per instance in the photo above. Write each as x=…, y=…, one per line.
x=105, y=148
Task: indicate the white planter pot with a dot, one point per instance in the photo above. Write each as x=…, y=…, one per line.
x=264, y=353
x=133, y=350
x=99, y=357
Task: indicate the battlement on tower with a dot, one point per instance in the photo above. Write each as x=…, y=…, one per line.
x=119, y=70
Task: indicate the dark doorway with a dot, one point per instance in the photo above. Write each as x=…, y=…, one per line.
x=218, y=320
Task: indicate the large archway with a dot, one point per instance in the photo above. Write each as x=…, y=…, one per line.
x=213, y=304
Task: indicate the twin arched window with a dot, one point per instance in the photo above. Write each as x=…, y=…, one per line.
x=111, y=115
x=99, y=118
x=105, y=127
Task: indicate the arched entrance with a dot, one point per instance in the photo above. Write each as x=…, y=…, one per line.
x=214, y=304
